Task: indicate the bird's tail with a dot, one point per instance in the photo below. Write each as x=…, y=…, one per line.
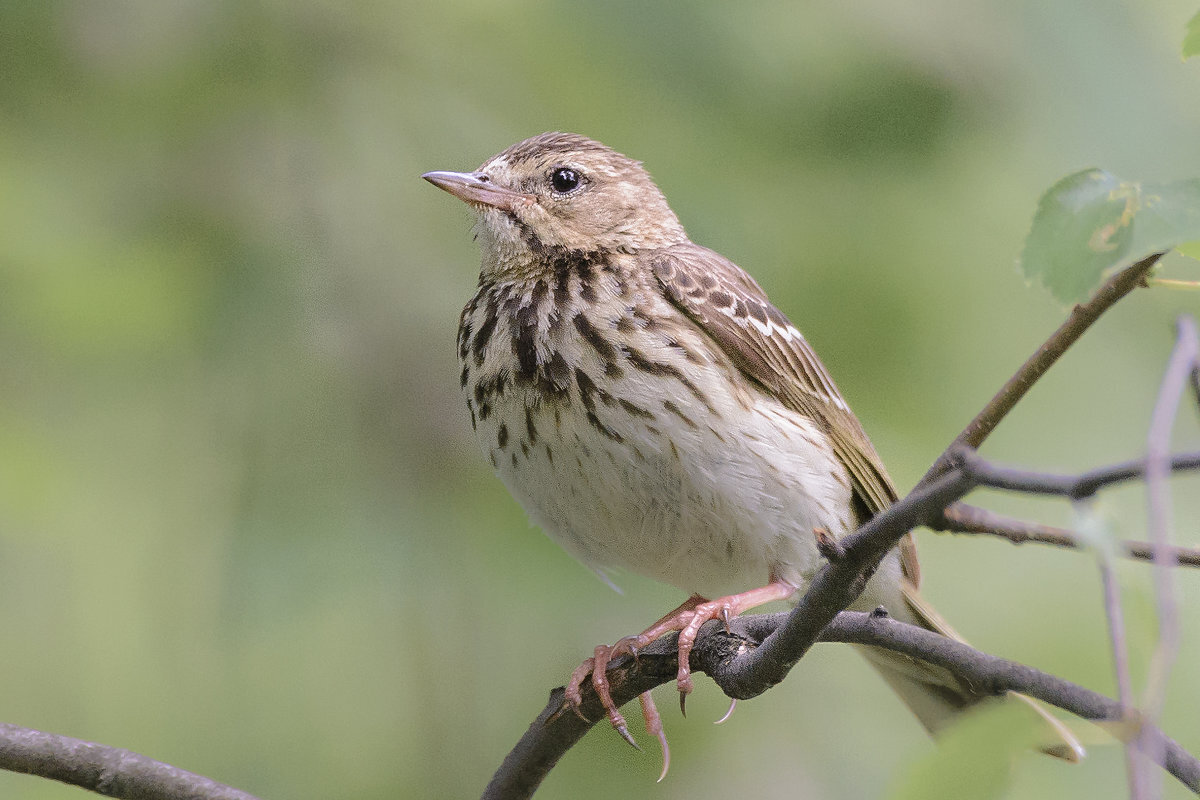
x=937, y=697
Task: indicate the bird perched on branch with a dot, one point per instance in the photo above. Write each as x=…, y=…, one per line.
x=652, y=410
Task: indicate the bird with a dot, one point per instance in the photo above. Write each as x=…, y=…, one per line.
x=652, y=411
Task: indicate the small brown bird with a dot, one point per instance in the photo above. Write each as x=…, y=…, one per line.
x=652, y=410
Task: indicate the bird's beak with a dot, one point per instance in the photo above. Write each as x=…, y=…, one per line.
x=477, y=189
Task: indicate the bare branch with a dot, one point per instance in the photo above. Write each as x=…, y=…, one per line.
x=725, y=656
x=110, y=771
x=962, y=518
x=1081, y=318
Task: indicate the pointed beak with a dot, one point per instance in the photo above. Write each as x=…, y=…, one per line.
x=475, y=188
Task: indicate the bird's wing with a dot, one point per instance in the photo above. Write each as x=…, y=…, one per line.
x=728, y=305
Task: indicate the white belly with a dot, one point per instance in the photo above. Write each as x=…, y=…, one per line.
x=669, y=497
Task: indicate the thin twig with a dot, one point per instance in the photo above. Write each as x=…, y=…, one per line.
x=110, y=771
x=1081, y=318
x=1185, y=359
x=968, y=519
x=1086, y=484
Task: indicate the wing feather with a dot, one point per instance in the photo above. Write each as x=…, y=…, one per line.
x=725, y=302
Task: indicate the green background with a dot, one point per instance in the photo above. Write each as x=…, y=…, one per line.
x=244, y=527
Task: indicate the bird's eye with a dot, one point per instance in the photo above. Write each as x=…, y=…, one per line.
x=564, y=180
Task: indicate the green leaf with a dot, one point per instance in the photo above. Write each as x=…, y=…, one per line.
x=974, y=759
x=1092, y=222
x=1191, y=39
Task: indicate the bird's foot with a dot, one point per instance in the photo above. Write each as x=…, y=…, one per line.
x=597, y=668
x=687, y=619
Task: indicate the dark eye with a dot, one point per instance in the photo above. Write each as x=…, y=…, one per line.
x=564, y=180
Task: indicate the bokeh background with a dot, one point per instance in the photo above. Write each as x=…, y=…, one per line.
x=243, y=525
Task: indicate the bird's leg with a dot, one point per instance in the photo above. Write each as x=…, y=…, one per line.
x=597, y=666
x=725, y=609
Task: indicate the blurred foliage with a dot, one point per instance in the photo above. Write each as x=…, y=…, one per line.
x=243, y=527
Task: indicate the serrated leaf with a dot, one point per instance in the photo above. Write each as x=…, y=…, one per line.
x=1191, y=39
x=1092, y=222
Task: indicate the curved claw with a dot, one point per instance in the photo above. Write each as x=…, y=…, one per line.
x=683, y=703
x=729, y=713
x=654, y=725
x=623, y=729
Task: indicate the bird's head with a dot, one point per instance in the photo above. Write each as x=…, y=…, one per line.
x=561, y=193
